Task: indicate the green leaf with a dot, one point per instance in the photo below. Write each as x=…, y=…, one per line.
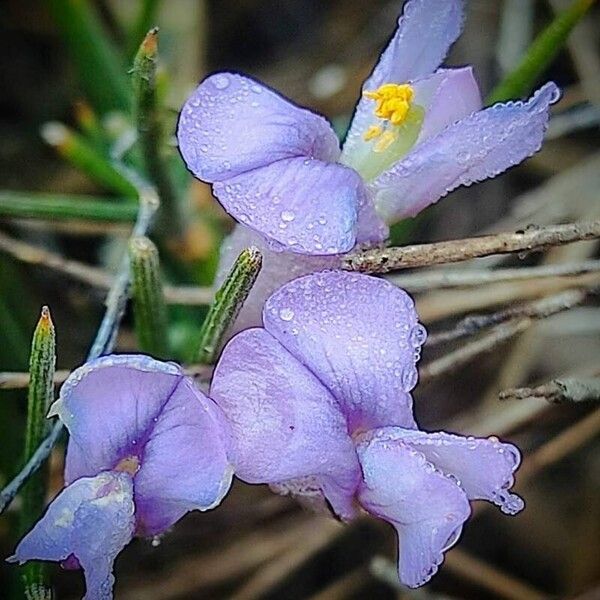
x=64, y=207
x=80, y=153
x=42, y=364
x=149, y=308
x=101, y=68
x=521, y=81
x=228, y=303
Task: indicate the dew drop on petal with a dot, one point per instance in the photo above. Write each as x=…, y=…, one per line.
x=286, y=314
x=221, y=82
x=288, y=215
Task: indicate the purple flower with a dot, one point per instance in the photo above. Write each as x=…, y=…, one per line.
x=145, y=447
x=418, y=132
x=319, y=406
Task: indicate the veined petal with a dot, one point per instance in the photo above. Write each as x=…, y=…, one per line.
x=232, y=124
x=427, y=508
x=277, y=268
x=134, y=413
x=483, y=467
x=300, y=205
x=185, y=465
x=359, y=335
x=91, y=519
x=426, y=30
x=284, y=423
x=447, y=96
x=477, y=147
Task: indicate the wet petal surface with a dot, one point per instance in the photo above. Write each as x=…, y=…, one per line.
x=284, y=422
x=427, y=508
x=232, y=124
x=359, y=335
x=92, y=519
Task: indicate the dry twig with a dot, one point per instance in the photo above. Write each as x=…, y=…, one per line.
x=571, y=389
x=421, y=255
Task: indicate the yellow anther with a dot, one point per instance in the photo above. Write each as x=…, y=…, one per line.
x=385, y=141
x=374, y=131
x=393, y=101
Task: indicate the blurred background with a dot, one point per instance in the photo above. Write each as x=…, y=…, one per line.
x=65, y=114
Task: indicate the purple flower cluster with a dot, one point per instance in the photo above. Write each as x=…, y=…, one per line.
x=315, y=403
x=418, y=132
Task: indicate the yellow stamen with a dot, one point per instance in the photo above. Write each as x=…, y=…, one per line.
x=130, y=464
x=393, y=101
x=372, y=132
x=385, y=141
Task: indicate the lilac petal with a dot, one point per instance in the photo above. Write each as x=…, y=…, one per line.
x=447, y=96
x=136, y=413
x=426, y=30
x=185, y=464
x=92, y=519
x=284, y=423
x=359, y=335
x=427, y=508
x=484, y=467
x=299, y=204
x=277, y=268
x=232, y=124
x=477, y=147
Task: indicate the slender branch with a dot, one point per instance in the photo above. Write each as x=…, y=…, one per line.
x=456, y=359
x=104, y=340
x=538, y=309
x=570, y=389
x=94, y=276
x=421, y=282
x=420, y=255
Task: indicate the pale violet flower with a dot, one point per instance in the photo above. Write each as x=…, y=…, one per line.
x=319, y=405
x=145, y=447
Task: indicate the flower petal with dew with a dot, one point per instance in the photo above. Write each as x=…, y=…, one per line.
x=427, y=508
x=92, y=519
x=359, y=335
x=285, y=424
x=416, y=135
x=137, y=413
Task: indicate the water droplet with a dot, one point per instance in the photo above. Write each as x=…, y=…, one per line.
x=417, y=335
x=288, y=215
x=286, y=314
x=221, y=82
x=409, y=378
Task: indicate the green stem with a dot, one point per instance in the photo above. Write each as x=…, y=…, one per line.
x=149, y=308
x=65, y=207
x=148, y=121
x=228, y=303
x=541, y=53
x=80, y=153
x=41, y=392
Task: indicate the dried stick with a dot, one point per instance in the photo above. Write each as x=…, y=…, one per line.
x=93, y=276
x=557, y=391
x=421, y=255
x=420, y=282
x=538, y=309
x=103, y=342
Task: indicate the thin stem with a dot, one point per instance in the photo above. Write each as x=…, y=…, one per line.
x=105, y=336
x=149, y=308
x=148, y=120
x=421, y=255
x=41, y=392
x=60, y=206
x=421, y=282
x=228, y=303
x=557, y=391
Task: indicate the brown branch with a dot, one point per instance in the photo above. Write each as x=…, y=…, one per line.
x=11, y=380
x=421, y=255
x=538, y=309
x=94, y=276
x=421, y=282
x=571, y=389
